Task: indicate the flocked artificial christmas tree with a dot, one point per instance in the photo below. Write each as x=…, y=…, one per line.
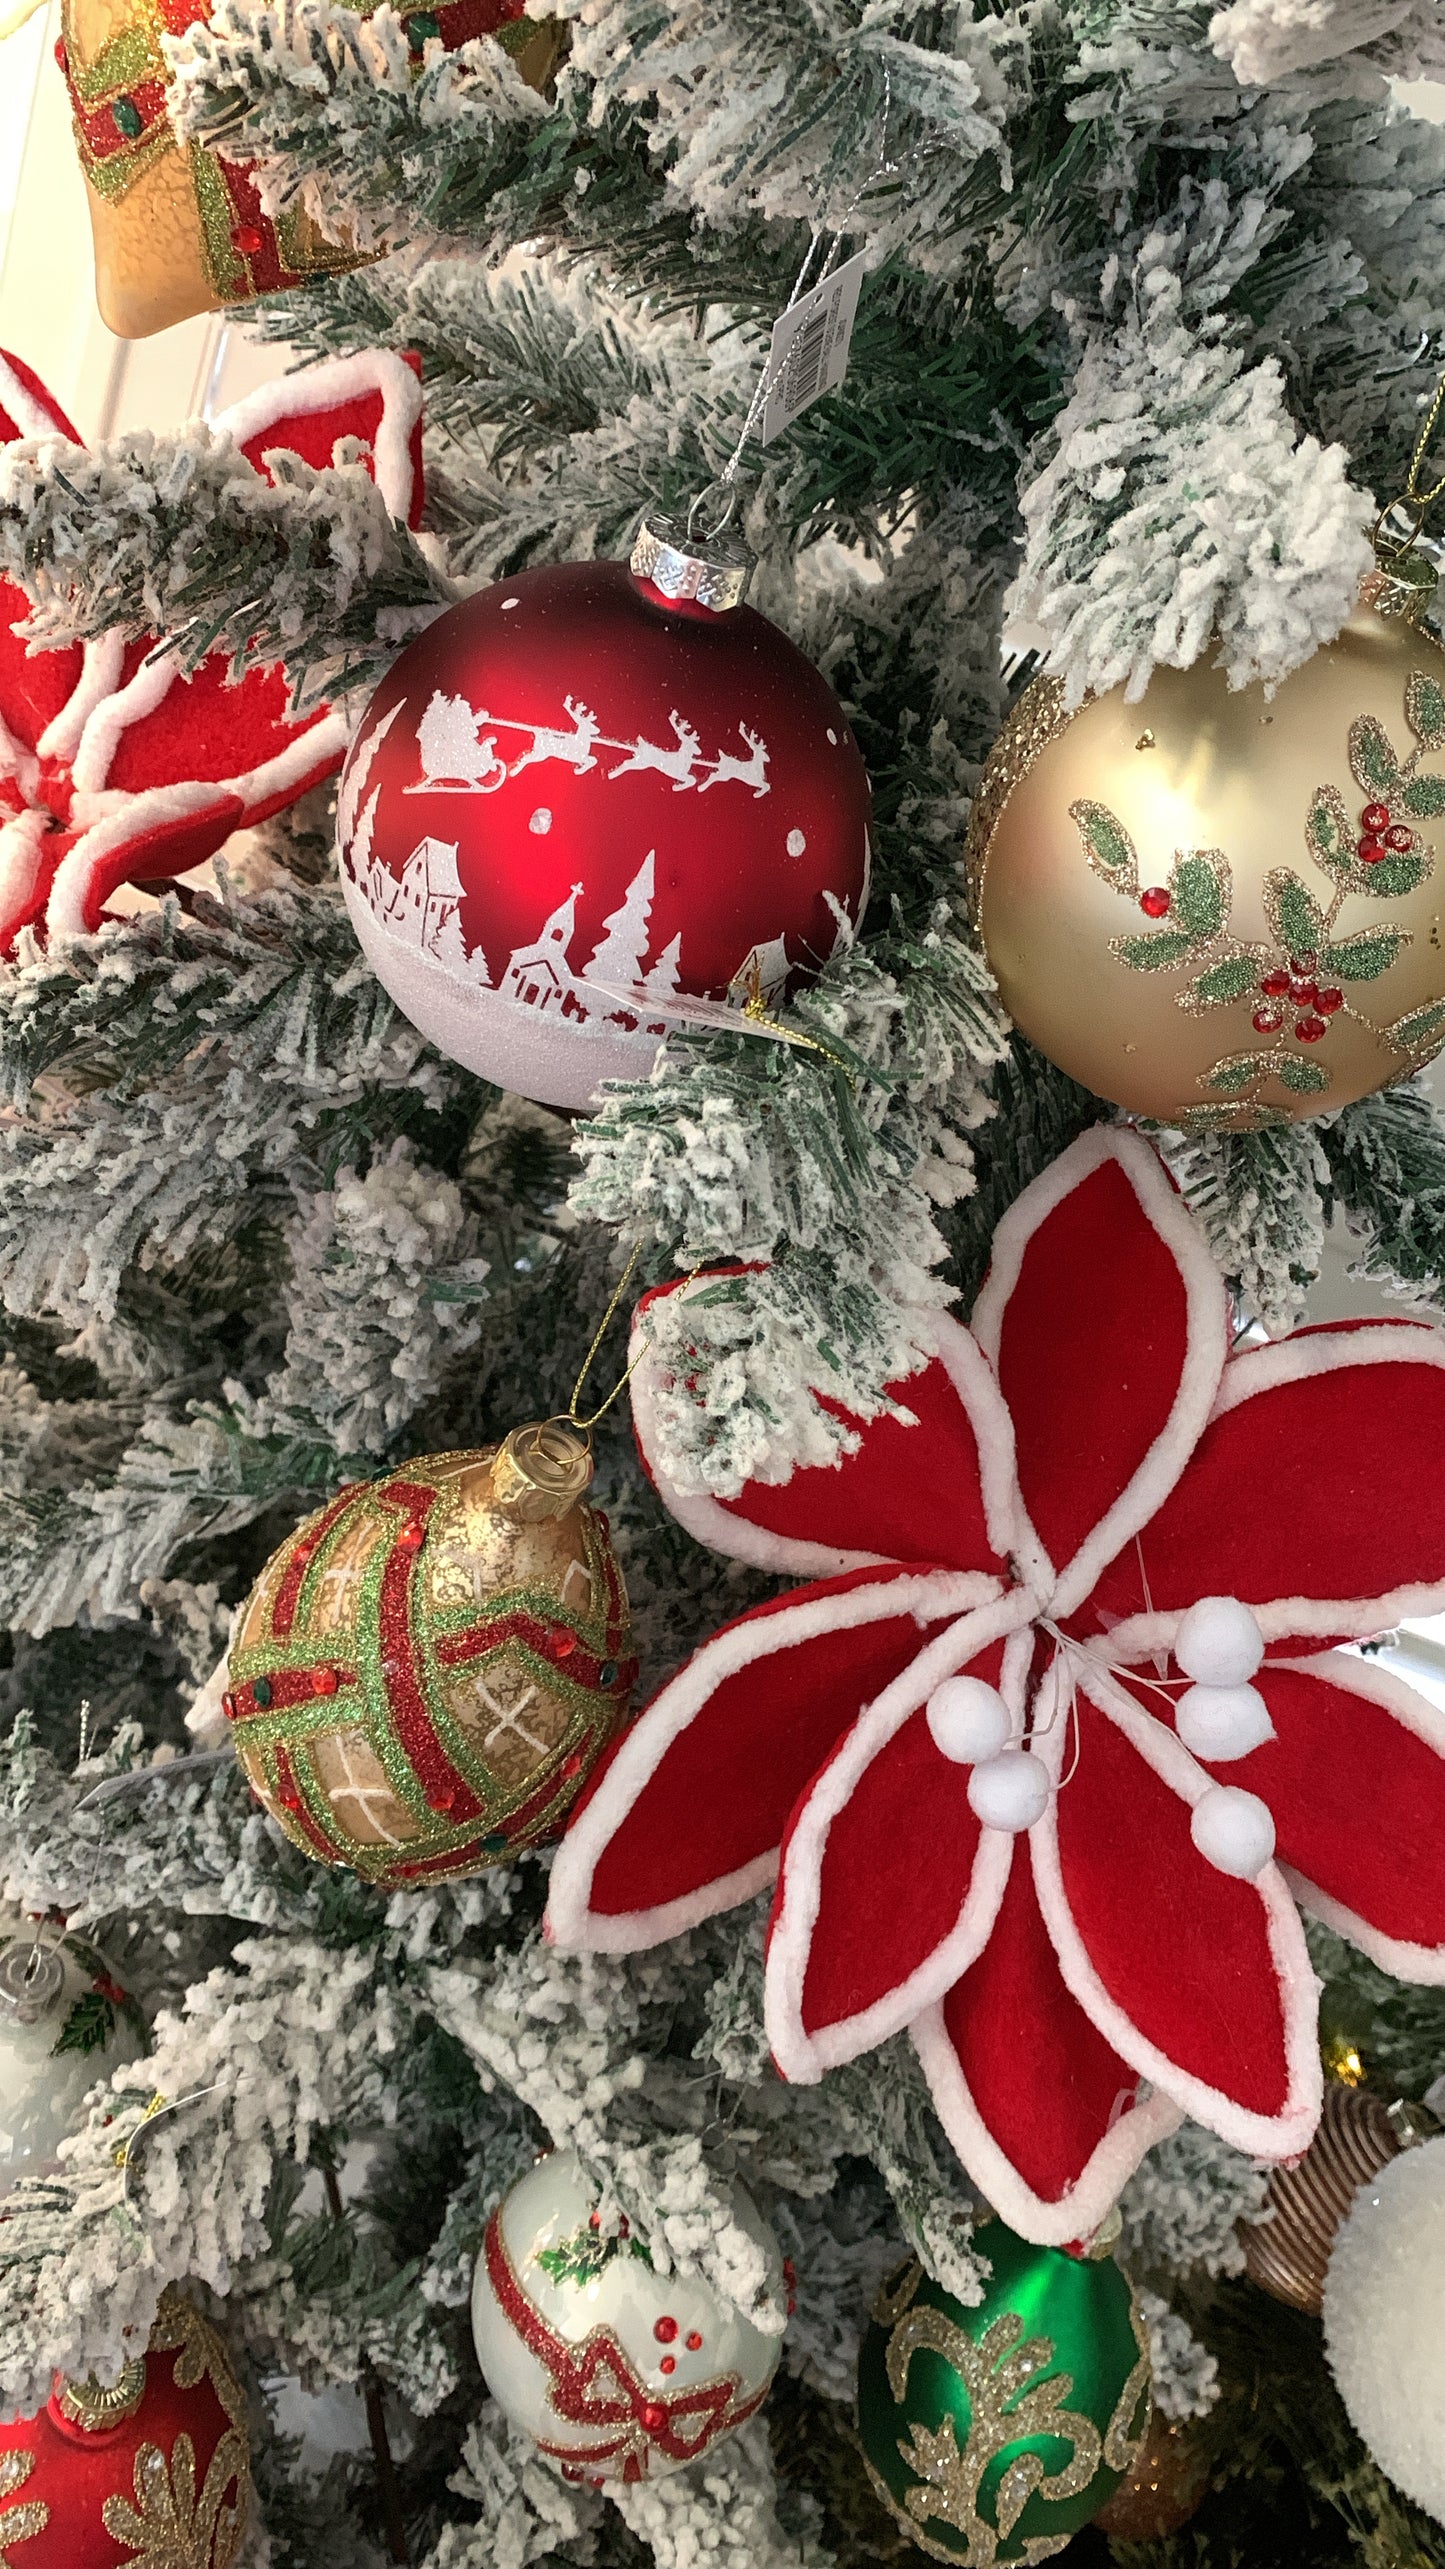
x=1151, y=323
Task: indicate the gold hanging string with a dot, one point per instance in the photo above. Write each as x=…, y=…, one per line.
x=755, y=1010
x=1412, y=499
x=586, y=1425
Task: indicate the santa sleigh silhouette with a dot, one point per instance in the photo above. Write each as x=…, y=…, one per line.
x=459, y=754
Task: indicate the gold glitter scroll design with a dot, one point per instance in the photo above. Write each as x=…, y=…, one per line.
x=18, y=2521
x=1127, y=2428
x=1008, y=2402
x=1226, y=971
x=172, y=2524
x=1040, y=717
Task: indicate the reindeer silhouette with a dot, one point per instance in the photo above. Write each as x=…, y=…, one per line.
x=676, y=763
x=729, y=769
x=575, y=746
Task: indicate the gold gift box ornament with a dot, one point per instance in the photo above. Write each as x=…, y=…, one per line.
x=178, y=229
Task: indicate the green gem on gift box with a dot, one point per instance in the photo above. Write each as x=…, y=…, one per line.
x=994, y=2433
x=421, y=26
x=128, y=119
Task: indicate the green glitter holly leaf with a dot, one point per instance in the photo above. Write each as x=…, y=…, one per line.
x=1373, y=763
x=1423, y=797
x=588, y=2253
x=1245, y=1118
x=1304, y=1078
x=1393, y=877
x=1425, y=709
x=1422, y=1026
x=1231, y=978
x=1237, y=1071
x=1163, y=952
x=1293, y=913
x=1331, y=833
x=1199, y=893
x=89, y=2025
x=1107, y=845
x=1365, y=955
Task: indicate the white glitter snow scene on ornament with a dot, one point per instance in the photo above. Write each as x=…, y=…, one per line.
x=460, y=756
x=522, y=1024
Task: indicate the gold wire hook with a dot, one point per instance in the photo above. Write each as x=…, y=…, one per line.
x=586, y=1425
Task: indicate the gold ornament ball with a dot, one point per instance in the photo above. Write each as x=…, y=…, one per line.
x=1287, y=2251
x=430, y=1667
x=1164, y=2486
x=1222, y=910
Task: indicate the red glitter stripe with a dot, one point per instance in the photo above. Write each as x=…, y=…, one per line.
x=102, y=136
x=303, y=1552
x=446, y=1789
x=289, y=1687
x=293, y=1801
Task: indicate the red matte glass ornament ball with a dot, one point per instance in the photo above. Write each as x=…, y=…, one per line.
x=155, y=2468
x=576, y=793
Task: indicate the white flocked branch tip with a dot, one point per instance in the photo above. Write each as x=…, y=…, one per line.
x=1233, y=1831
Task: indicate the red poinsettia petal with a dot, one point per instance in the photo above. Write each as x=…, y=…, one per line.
x=887, y=1885
x=1355, y=1779
x=373, y=396
x=1049, y=2127
x=934, y=1485
x=30, y=850
x=27, y=407
x=687, y=1814
x=1201, y=1980
x=159, y=834
x=1316, y=1493
x=33, y=689
x=1105, y=1318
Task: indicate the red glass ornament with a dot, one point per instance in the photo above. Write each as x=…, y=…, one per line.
x=1275, y=984
x=1372, y=851
x=1399, y=839
x=571, y=789
x=1310, y=1029
x=1267, y=1021
x=79, y=2495
x=1155, y=902
x=1327, y=1001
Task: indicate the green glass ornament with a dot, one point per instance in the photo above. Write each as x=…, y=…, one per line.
x=993, y=2434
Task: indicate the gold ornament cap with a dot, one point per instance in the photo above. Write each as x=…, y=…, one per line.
x=99, y=2405
x=542, y=1470
x=710, y=571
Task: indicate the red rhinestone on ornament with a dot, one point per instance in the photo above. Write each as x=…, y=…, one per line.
x=694, y=2340
x=1310, y=1029
x=248, y=238
x=1374, y=818
x=668, y=2364
x=1372, y=851
x=653, y=2416
x=1275, y=984
x=572, y=1766
x=1267, y=1021
x=1327, y=1001
x=664, y=2329
x=564, y=1643
x=1399, y=840
x=228, y=1707
x=1301, y=991
x=594, y=2220
x=412, y=1536
x=1155, y=902
x=325, y=1681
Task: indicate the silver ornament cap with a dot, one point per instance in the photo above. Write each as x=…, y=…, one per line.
x=32, y=1983
x=674, y=556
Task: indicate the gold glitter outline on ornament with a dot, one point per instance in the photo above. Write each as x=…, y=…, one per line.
x=1030, y=727
x=20, y=2518
x=993, y=2368
x=1416, y=1037
x=596, y=1717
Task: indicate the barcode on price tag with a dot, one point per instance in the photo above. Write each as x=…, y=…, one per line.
x=809, y=352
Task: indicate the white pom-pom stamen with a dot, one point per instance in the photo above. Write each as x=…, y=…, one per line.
x=1009, y=1791
x=1219, y=1642
x=968, y=1720
x=1221, y=1722
x=1384, y=2320
x=1233, y=1831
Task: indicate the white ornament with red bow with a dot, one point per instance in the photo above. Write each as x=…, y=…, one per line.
x=1081, y=1504
x=115, y=766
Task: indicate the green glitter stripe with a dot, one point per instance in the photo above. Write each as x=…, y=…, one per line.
x=115, y=176
x=129, y=59
x=225, y=269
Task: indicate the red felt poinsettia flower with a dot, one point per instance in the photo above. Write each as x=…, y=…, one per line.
x=1069, y=1476
x=115, y=766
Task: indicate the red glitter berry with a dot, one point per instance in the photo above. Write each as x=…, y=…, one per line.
x=1399, y=839
x=653, y=2416
x=1374, y=818
x=664, y=2329
x=325, y=1681
x=1267, y=1021
x=594, y=2220
x=248, y=238
x=1327, y=1001
x=1155, y=902
x=1275, y=984
x=1372, y=851
x=1310, y=1029
x=668, y=2364
x=694, y=2340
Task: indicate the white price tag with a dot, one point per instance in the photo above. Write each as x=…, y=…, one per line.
x=809, y=352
